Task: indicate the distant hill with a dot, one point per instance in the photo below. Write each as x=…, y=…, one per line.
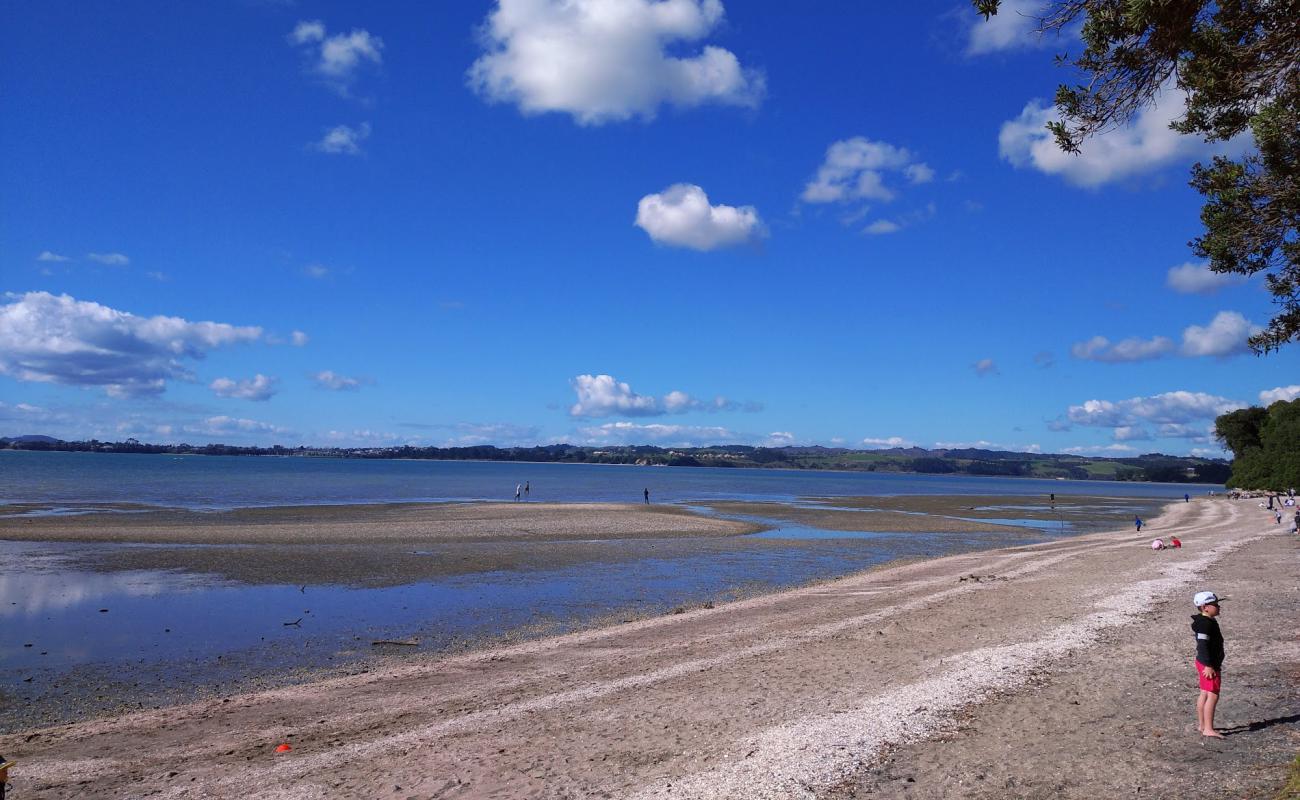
x=31, y=437
x=965, y=461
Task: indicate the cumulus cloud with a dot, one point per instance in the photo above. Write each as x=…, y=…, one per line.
x=893, y=441
x=1130, y=433
x=1101, y=449
x=111, y=259
x=608, y=60
x=258, y=387
x=343, y=140
x=1192, y=278
x=983, y=444
x=1014, y=27
x=1170, y=411
x=1099, y=348
x=681, y=216
x=50, y=257
x=667, y=435
x=58, y=339
x=985, y=366
x=339, y=58
x=1146, y=145
x=328, y=379
x=299, y=339
x=219, y=425
x=855, y=169
x=1226, y=335
x=1282, y=393
x=606, y=396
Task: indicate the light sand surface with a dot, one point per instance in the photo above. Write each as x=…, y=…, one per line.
x=1053, y=670
x=400, y=523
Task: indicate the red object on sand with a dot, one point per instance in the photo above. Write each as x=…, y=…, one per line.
x=284, y=748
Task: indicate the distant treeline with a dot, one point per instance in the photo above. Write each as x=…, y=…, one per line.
x=1149, y=467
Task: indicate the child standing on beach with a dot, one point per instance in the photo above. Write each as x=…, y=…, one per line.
x=1209, y=659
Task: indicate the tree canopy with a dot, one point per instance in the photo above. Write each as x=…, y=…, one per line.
x=1265, y=445
x=1238, y=64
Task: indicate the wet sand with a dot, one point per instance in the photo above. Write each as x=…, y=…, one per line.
x=1052, y=670
x=395, y=523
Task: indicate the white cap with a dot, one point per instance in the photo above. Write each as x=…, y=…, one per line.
x=1205, y=598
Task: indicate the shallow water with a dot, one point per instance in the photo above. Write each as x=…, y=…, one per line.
x=222, y=482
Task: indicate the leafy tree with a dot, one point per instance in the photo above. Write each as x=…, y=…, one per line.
x=1238, y=61
x=1265, y=445
x=1239, y=430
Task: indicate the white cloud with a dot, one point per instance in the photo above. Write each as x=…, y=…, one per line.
x=608, y=60
x=682, y=216
x=1169, y=408
x=1015, y=26
x=892, y=441
x=1144, y=146
x=881, y=226
x=299, y=339
x=343, y=140
x=855, y=169
x=48, y=257
x=216, y=426
x=111, y=259
x=668, y=435
x=328, y=379
x=339, y=58
x=259, y=387
x=317, y=271
x=1225, y=335
x=1102, y=449
x=58, y=339
x=1130, y=433
x=1099, y=348
x=606, y=396
x=985, y=366
x=1192, y=278
x=919, y=173
x=1283, y=393
x=983, y=444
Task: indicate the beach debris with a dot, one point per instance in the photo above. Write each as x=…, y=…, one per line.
x=296, y=622
x=401, y=642
x=283, y=748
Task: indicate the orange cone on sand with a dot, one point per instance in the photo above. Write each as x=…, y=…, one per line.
x=284, y=748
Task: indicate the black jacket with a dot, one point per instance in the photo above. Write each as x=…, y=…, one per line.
x=1209, y=642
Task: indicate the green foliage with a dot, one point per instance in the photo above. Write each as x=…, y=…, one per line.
x=1265, y=444
x=1236, y=62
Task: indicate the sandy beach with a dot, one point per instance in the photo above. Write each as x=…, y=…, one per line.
x=1052, y=670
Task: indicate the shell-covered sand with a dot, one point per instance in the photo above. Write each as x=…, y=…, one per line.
x=1053, y=670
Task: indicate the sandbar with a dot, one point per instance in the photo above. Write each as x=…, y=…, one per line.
x=1059, y=669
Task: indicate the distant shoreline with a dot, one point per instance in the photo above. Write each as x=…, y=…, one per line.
x=1150, y=468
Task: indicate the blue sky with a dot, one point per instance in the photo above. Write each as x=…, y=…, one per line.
x=595, y=221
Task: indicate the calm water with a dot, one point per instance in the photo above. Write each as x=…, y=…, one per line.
x=168, y=634
x=222, y=482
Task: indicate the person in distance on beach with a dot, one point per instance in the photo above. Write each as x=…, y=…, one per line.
x=1137, y=523
x=647, y=496
x=1209, y=659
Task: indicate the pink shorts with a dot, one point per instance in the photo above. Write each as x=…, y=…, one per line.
x=1208, y=684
